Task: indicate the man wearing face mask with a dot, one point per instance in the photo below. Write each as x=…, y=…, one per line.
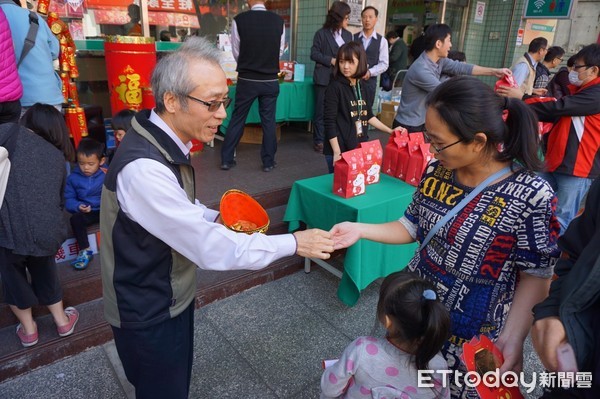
x=573, y=148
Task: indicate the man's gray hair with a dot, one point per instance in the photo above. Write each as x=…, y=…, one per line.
x=171, y=74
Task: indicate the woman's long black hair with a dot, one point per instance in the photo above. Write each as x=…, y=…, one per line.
x=48, y=123
x=336, y=14
x=468, y=106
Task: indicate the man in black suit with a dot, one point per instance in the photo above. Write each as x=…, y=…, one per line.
x=257, y=41
x=326, y=44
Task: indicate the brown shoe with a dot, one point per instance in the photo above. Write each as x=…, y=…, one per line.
x=318, y=147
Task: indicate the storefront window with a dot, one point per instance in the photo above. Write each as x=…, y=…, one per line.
x=168, y=20
x=415, y=15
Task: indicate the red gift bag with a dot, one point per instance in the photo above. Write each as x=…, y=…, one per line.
x=373, y=155
x=288, y=68
x=349, y=174
x=507, y=80
x=419, y=157
x=399, y=138
x=404, y=155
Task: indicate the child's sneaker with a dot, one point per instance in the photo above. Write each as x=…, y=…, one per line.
x=26, y=340
x=83, y=259
x=67, y=329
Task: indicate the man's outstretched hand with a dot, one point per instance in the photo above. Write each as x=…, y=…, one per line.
x=314, y=243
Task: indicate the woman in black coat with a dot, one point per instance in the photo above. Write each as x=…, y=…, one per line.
x=326, y=44
x=347, y=116
x=32, y=223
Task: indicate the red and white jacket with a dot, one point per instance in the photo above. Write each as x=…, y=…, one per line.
x=10, y=84
x=574, y=141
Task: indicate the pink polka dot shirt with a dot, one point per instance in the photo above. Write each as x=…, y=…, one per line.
x=374, y=368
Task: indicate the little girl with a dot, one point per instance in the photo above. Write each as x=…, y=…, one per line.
x=417, y=326
x=346, y=116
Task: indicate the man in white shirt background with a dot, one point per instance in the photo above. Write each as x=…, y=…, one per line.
x=257, y=41
x=524, y=68
x=376, y=47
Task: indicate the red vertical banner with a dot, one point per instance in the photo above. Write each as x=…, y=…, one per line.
x=129, y=65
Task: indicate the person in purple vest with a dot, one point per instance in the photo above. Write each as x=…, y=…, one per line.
x=257, y=41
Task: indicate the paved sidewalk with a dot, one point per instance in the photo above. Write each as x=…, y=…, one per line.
x=264, y=343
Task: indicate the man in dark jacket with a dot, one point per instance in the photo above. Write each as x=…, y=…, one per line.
x=257, y=41
x=573, y=148
x=571, y=313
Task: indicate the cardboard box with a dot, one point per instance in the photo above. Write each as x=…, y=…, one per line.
x=388, y=112
x=253, y=134
x=389, y=106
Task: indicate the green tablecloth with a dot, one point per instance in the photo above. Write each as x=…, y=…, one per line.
x=295, y=103
x=313, y=202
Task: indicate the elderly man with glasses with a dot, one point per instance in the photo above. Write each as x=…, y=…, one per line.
x=155, y=233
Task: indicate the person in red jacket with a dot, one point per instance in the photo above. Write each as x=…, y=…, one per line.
x=11, y=88
x=573, y=147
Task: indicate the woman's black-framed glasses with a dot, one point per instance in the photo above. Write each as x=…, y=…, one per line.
x=438, y=150
x=213, y=106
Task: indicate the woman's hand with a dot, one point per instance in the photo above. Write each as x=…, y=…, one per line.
x=336, y=157
x=344, y=235
x=512, y=351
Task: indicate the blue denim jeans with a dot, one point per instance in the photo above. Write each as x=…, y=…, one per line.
x=570, y=192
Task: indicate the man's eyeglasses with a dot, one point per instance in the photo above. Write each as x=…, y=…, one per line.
x=576, y=67
x=213, y=106
x=438, y=150
x=560, y=59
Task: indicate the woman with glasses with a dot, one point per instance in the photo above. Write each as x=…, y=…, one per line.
x=559, y=84
x=326, y=43
x=491, y=260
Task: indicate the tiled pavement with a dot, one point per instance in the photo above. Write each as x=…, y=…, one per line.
x=264, y=343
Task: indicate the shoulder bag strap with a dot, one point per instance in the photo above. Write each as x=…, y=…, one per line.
x=461, y=205
x=34, y=24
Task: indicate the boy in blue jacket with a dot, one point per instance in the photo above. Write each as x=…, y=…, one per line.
x=82, y=195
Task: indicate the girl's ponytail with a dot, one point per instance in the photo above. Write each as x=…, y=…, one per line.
x=521, y=137
x=418, y=320
x=435, y=328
